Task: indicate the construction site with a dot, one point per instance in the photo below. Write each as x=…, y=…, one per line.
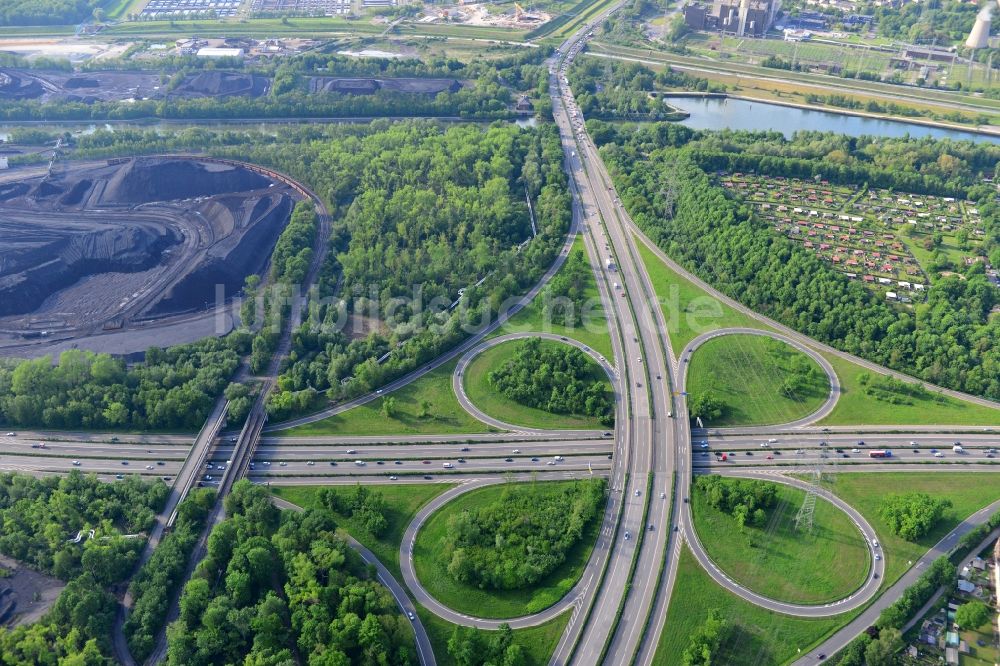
x=481, y=15
x=126, y=244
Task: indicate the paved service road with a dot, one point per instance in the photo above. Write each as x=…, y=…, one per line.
x=458, y=377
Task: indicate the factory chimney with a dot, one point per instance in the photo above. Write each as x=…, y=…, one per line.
x=979, y=38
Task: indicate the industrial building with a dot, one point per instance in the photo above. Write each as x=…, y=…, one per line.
x=743, y=18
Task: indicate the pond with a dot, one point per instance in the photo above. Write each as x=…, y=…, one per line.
x=739, y=114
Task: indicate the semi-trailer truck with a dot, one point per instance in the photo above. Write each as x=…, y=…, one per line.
x=880, y=453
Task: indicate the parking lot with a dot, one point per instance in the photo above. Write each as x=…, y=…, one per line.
x=182, y=8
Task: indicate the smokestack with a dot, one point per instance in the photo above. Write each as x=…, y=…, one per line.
x=979, y=38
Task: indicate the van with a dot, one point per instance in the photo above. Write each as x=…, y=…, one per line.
x=448, y=465
x=359, y=463
x=559, y=458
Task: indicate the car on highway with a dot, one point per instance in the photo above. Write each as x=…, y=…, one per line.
x=428, y=477
x=465, y=449
x=447, y=465
x=426, y=462
x=770, y=457
x=509, y=459
x=861, y=442
x=461, y=460
x=393, y=477
x=397, y=462
x=208, y=477
x=939, y=455
x=120, y=477
x=149, y=467
x=799, y=451
x=704, y=445
x=877, y=557
x=607, y=434
x=627, y=535
x=282, y=464
x=333, y=463
x=855, y=450
x=379, y=462
x=515, y=451
x=410, y=615
x=551, y=462
x=124, y=462
x=266, y=463
x=351, y=452
x=912, y=443
x=558, y=458
x=160, y=463
x=310, y=463
x=12, y=434
x=76, y=462
x=536, y=459
x=637, y=492
x=359, y=463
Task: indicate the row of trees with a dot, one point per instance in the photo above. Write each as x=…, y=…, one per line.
x=153, y=587
x=949, y=340
x=293, y=251
x=612, y=89
x=173, y=389
x=564, y=300
x=746, y=500
x=554, y=377
x=912, y=515
x=522, y=537
x=279, y=588
x=39, y=519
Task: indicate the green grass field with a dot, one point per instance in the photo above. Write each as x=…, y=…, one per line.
x=486, y=398
x=968, y=493
x=857, y=408
x=687, y=309
x=781, y=562
x=747, y=372
x=445, y=415
x=755, y=637
x=538, y=642
x=402, y=503
x=495, y=603
x=593, y=332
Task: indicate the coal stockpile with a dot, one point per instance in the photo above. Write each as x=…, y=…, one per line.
x=130, y=240
x=18, y=85
x=230, y=263
x=41, y=261
x=222, y=84
x=366, y=86
x=144, y=180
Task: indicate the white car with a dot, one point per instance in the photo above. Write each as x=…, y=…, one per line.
x=310, y=463
x=149, y=467
x=855, y=450
x=76, y=462
x=517, y=450
x=938, y=454
x=12, y=434
x=877, y=557
x=448, y=465
x=704, y=445
x=551, y=462
x=874, y=543
x=282, y=464
x=266, y=463
x=393, y=477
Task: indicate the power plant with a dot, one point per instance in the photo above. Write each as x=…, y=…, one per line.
x=979, y=38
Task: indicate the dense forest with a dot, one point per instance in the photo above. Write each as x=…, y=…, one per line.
x=46, y=12
x=153, y=586
x=420, y=213
x=522, y=537
x=564, y=299
x=554, y=377
x=663, y=174
x=282, y=587
x=39, y=519
x=172, y=389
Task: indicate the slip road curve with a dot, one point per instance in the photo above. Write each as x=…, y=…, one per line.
x=831, y=375
x=458, y=377
x=857, y=598
x=424, y=650
x=424, y=598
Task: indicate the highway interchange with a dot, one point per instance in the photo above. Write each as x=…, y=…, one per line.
x=618, y=608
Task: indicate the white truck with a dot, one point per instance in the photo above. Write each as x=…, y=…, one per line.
x=957, y=449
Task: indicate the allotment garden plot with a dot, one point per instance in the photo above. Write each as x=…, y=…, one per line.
x=895, y=243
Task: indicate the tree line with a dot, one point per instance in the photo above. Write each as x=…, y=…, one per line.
x=365, y=505
x=517, y=540
x=173, y=389
x=949, y=340
x=553, y=377
x=46, y=12
x=282, y=587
